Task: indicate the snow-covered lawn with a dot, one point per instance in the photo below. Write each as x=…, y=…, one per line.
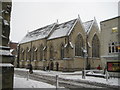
x=21, y=82
x=77, y=76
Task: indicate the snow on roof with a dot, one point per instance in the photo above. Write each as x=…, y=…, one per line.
x=11, y=50
x=44, y=48
x=63, y=29
x=5, y=52
x=23, y=51
x=3, y=36
x=38, y=34
x=1, y=17
x=36, y=49
x=5, y=47
x=6, y=22
x=6, y=65
x=29, y=49
x=70, y=43
x=87, y=25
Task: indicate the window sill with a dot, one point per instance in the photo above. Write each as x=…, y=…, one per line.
x=95, y=57
x=79, y=57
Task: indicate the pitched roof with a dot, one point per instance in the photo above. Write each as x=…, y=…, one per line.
x=38, y=34
x=62, y=30
x=87, y=25
x=55, y=31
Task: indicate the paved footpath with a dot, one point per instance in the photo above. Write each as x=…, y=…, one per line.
x=67, y=83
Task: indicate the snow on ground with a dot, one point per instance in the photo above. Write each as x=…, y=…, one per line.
x=51, y=73
x=111, y=81
x=76, y=76
x=20, y=82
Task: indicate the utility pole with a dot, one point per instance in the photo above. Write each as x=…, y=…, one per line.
x=31, y=53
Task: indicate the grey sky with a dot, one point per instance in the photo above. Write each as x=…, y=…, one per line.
x=28, y=16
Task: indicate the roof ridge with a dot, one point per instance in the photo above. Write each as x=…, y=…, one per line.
x=67, y=21
x=88, y=21
x=41, y=28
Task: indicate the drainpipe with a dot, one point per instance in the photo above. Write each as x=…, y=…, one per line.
x=87, y=59
x=31, y=52
x=18, y=55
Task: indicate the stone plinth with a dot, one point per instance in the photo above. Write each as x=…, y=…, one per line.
x=6, y=68
x=6, y=75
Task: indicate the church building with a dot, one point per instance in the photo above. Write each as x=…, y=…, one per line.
x=68, y=46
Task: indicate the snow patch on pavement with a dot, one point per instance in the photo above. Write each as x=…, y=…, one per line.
x=76, y=76
x=20, y=82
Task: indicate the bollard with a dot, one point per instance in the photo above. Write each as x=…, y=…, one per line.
x=57, y=83
x=27, y=75
x=83, y=74
x=106, y=75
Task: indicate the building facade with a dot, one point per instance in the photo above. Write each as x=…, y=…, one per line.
x=61, y=46
x=6, y=58
x=110, y=42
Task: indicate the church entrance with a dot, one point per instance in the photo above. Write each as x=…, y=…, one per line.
x=51, y=66
x=57, y=66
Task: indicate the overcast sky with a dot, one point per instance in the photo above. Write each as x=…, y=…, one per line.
x=29, y=15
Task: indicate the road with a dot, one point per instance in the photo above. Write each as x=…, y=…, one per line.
x=67, y=83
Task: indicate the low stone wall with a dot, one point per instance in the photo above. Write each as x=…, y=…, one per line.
x=6, y=76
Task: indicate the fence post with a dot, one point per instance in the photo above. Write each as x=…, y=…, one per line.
x=57, y=83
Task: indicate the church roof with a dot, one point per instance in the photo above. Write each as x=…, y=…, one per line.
x=62, y=30
x=87, y=25
x=55, y=31
x=38, y=34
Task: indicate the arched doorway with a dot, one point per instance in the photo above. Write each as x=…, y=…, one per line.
x=57, y=66
x=51, y=66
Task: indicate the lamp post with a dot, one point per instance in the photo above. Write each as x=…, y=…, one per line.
x=85, y=56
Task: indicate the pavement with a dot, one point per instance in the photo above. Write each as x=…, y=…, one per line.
x=50, y=77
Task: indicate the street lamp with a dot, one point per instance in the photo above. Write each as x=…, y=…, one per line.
x=85, y=56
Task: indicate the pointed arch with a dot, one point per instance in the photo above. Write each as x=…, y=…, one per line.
x=51, y=51
x=27, y=55
x=79, y=44
x=33, y=53
x=95, y=46
x=22, y=53
x=62, y=51
x=41, y=52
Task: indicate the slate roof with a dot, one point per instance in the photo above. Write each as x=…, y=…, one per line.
x=38, y=34
x=55, y=31
x=87, y=25
x=62, y=30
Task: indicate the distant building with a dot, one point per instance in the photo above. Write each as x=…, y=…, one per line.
x=60, y=46
x=14, y=51
x=110, y=41
x=13, y=48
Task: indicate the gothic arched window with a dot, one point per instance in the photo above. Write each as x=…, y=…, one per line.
x=22, y=53
x=79, y=44
x=51, y=52
x=41, y=52
x=33, y=53
x=62, y=51
x=27, y=53
x=95, y=46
